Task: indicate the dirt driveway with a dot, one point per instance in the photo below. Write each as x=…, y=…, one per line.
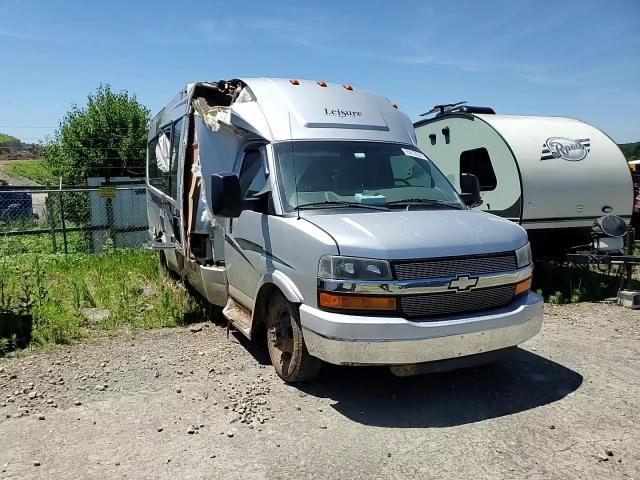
x=178, y=404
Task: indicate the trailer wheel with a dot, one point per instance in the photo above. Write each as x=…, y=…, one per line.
x=288, y=352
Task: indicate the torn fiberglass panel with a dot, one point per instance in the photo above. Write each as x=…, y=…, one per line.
x=163, y=152
x=218, y=152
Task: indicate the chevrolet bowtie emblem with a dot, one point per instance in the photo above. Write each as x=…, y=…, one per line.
x=463, y=283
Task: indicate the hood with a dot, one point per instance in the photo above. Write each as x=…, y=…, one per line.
x=397, y=235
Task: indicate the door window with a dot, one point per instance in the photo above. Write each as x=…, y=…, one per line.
x=252, y=175
x=478, y=162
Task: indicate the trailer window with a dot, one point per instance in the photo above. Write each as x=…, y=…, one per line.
x=159, y=161
x=164, y=157
x=478, y=162
x=175, y=151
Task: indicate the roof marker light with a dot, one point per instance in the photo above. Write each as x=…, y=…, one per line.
x=294, y=82
x=322, y=84
x=347, y=87
x=394, y=105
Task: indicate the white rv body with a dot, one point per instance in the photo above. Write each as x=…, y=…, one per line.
x=306, y=207
x=552, y=175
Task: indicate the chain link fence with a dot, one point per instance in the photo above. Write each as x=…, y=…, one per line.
x=82, y=219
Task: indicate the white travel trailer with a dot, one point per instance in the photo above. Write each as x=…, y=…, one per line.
x=553, y=175
x=305, y=209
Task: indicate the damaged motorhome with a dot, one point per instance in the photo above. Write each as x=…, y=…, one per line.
x=305, y=209
x=555, y=176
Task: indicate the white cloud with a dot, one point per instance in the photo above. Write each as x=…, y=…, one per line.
x=227, y=30
x=462, y=64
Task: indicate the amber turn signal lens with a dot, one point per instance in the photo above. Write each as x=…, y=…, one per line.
x=523, y=286
x=353, y=302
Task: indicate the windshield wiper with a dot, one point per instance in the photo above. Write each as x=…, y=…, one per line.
x=423, y=201
x=338, y=203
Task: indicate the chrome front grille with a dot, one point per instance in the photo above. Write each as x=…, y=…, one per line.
x=454, y=266
x=448, y=303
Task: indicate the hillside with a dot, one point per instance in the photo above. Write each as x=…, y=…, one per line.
x=631, y=150
x=14, y=148
x=9, y=141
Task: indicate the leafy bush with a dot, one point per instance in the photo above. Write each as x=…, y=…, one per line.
x=105, y=138
x=555, y=298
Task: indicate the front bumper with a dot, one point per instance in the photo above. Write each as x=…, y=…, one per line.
x=358, y=340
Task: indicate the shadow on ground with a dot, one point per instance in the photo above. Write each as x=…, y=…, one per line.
x=518, y=381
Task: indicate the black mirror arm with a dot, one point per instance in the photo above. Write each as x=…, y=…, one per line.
x=470, y=200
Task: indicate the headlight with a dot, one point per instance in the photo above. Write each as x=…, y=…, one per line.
x=353, y=268
x=523, y=256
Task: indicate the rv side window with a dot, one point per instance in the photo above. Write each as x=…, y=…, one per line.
x=175, y=150
x=478, y=162
x=159, y=161
x=252, y=176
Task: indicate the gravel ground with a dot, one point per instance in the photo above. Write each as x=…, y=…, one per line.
x=174, y=403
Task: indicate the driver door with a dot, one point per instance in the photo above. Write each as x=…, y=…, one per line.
x=244, y=242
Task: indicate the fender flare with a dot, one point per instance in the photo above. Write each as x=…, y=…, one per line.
x=284, y=283
x=280, y=281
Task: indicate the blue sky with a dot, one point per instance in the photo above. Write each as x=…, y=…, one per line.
x=578, y=59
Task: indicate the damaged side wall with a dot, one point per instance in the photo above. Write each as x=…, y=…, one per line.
x=216, y=146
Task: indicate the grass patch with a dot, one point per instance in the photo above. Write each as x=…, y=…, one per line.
x=77, y=242
x=36, y=170
x=68, y=295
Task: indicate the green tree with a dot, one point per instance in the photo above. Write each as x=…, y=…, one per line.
x=105, y=138
x=631, y=150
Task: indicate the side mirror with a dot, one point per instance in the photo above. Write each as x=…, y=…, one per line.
x=226, y=196
x=470, y=190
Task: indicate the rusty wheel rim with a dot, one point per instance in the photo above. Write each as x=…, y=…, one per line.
x=281, y=342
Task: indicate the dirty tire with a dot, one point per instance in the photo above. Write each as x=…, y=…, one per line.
x=285, y=342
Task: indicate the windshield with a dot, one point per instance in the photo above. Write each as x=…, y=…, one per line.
x=343, y=173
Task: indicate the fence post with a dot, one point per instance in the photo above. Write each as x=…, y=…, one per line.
x=64, y=224
x=52, y=221
x=110, y=216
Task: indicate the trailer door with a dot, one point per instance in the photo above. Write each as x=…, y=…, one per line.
x=478, y=149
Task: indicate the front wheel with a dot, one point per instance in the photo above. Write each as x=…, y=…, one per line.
x=285, y=342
